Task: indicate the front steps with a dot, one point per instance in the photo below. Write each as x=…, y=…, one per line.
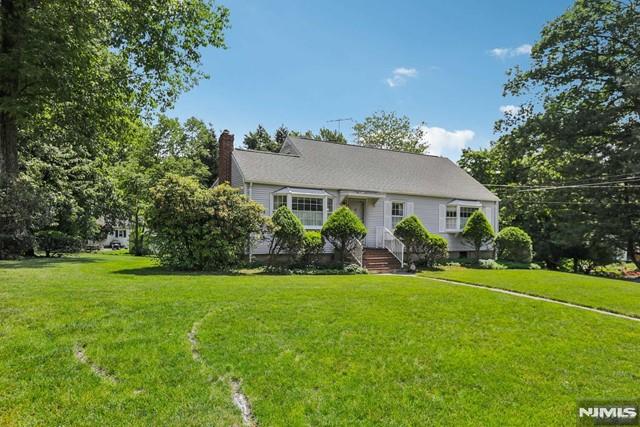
x=379, y=261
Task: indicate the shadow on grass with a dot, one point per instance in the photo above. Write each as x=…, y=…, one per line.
x=43, y=262
x=162, y=271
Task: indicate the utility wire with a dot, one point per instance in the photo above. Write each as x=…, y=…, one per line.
x=623, y=177
x=588, y=185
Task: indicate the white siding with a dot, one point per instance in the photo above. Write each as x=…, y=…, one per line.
x=426, y=208
x=429, y=211
x=262, y=194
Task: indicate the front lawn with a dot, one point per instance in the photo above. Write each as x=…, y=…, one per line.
x=609, y=294
x=321, y=350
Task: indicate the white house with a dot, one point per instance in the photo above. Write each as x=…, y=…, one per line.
x=117, y=238
x=313, y=177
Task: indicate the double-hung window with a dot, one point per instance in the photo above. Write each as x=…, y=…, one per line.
x=397, y=213
x=308, y=209
x=457, y=216
x=279, y=200
x=452, y=217
x=465, y=213
x=329, y=207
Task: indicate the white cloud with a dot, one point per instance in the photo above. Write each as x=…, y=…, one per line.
x=400, y=75
x=447, y=143
x=510, y=109
x=508, y=52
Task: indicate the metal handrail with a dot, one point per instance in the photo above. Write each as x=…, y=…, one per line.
x=358, y=252
x=394, y=245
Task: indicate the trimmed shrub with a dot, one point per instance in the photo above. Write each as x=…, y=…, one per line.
x=287, y=233
x=312, y=247
x=342, y=229
x=419, y=242
x=198, y=228
x=413, y=234
x=514, y=244
x=478, y=231
x=436, y=250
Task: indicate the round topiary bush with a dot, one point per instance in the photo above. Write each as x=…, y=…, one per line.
x=287, y=233
x=478, y=231
x=514, y=244
x=342, y=229
x=412, y=233
x=436, y=249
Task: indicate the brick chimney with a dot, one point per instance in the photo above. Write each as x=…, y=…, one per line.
x=225, y=149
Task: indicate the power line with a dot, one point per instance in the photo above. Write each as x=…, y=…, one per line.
x=589, y=185
x=624, y=177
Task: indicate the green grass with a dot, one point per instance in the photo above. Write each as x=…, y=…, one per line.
x=608, y=294
x=321, y=350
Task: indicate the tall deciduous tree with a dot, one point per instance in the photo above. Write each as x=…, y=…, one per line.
x=92, y=57
x=579, y=134
x=74, y=75
x=392, y=132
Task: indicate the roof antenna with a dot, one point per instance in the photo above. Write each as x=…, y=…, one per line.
x=348, y=119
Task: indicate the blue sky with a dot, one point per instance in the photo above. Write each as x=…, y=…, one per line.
x=302, y=63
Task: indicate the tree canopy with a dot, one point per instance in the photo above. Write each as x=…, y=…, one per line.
x=566, y=163
x=76, y=78
x=389, y=131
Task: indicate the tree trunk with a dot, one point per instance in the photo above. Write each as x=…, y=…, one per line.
x=8, y=146
x=633, y=251
x=136, y=236
x=11, y=28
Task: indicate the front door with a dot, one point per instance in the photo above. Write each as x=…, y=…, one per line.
x=357, y=206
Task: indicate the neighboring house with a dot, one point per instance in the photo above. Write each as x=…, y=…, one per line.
x=117, y=238
x=313, y=177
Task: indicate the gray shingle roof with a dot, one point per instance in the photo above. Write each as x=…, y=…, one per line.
x=329, y=165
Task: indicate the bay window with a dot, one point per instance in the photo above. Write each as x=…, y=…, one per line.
x=465, y=213
x=311, y=206
x=279, y=200
x=308, y=209
x=457, y=214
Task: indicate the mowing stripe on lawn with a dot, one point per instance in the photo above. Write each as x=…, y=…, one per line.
x=239, y=399
x=532, y=296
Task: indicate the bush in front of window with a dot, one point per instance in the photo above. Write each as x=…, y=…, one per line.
x=514, y=244
x=413, y=234
x=312, y=247
x=198, y=228
x=436, y=250
x=419, y=243
x=343, y=229
x=287, y=234
x=478, y=231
